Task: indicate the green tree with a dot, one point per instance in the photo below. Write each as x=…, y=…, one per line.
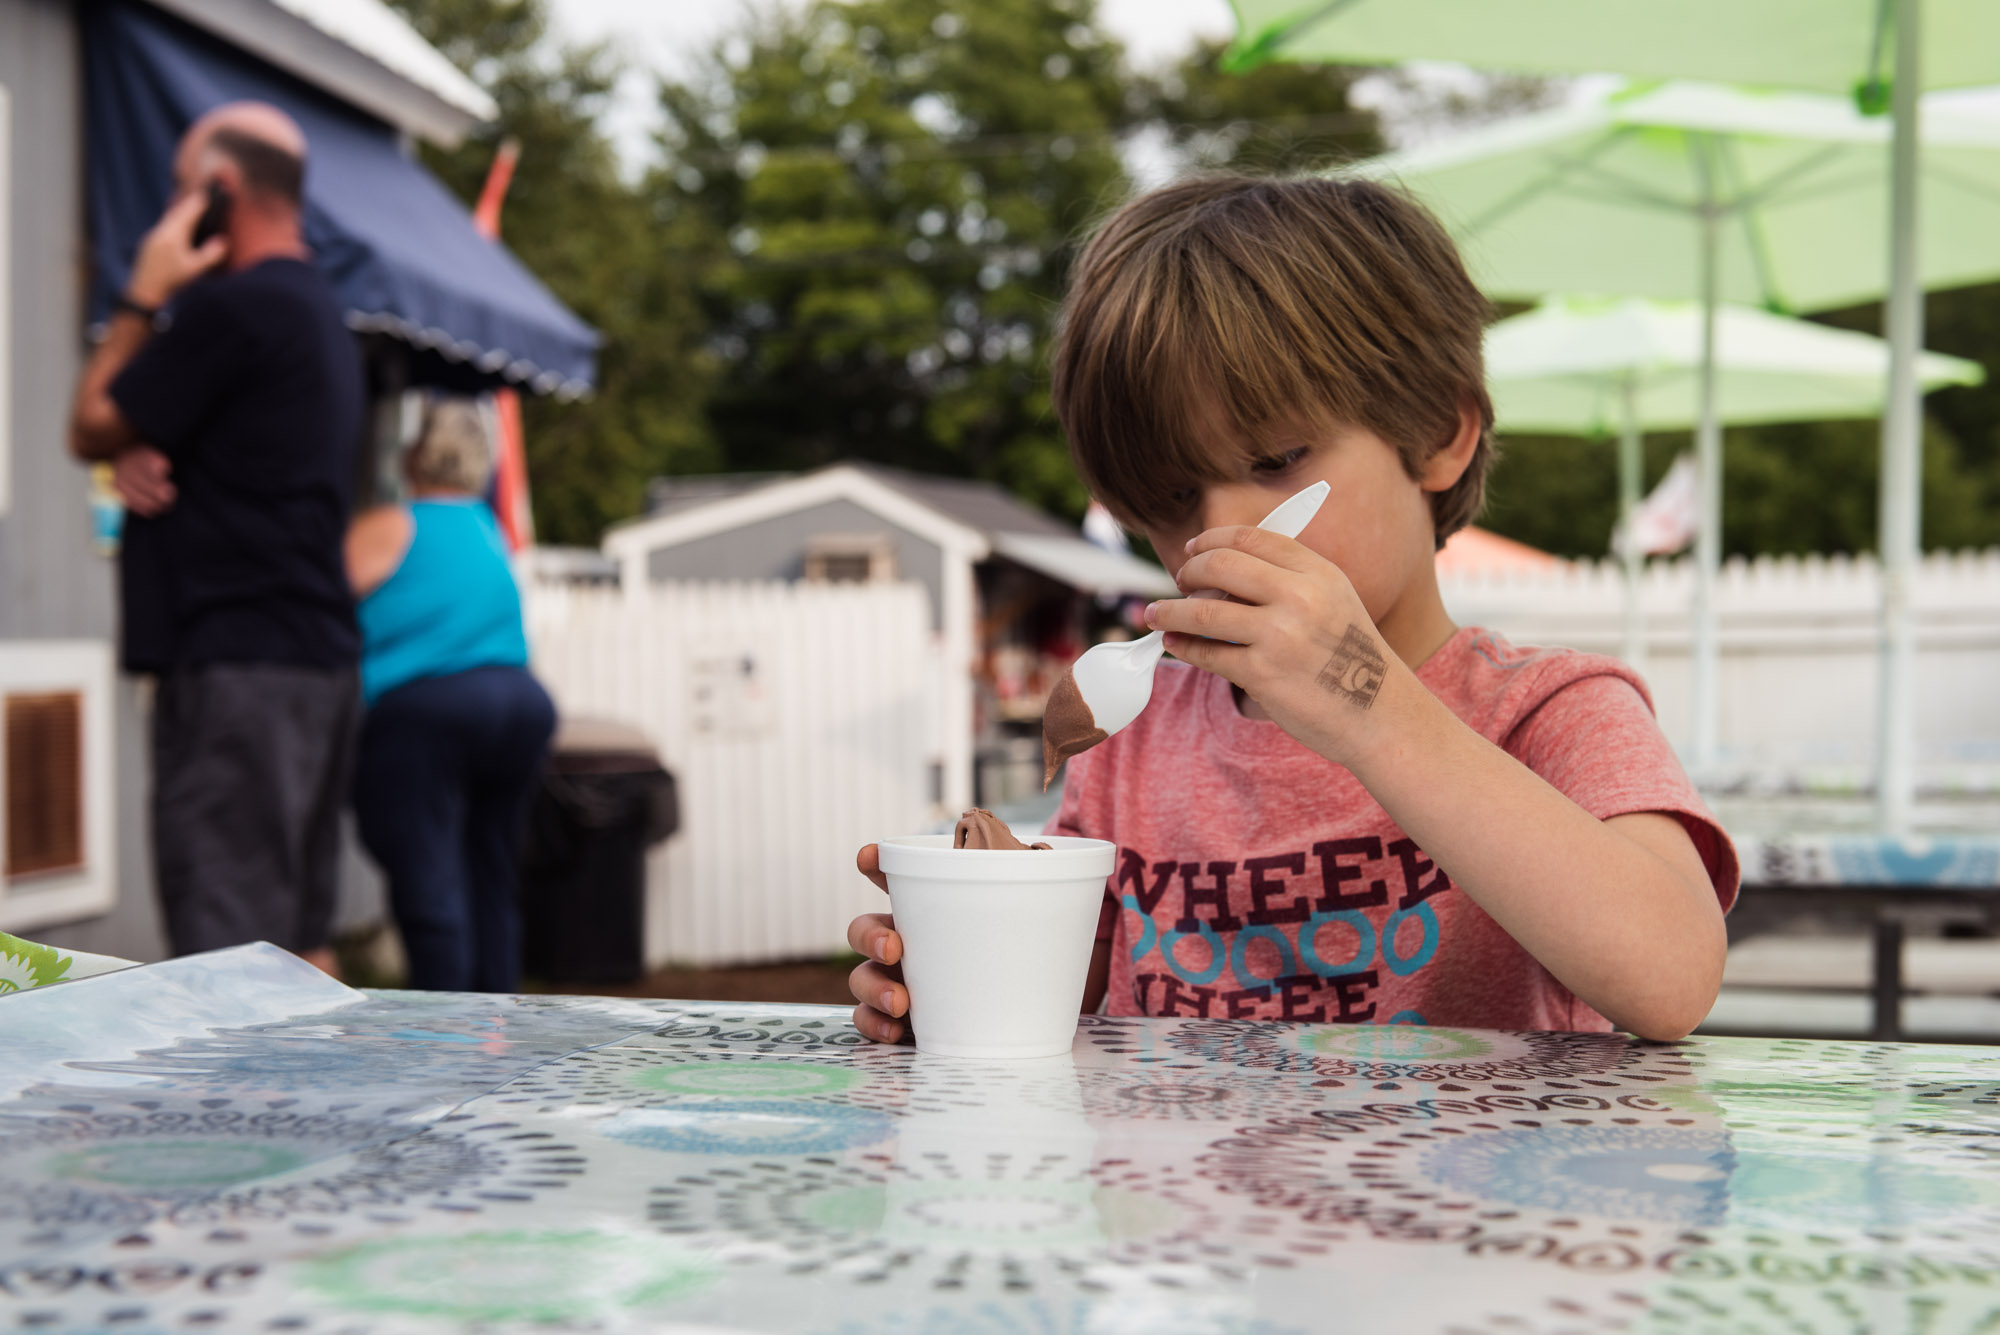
x=901, y=184
x=1281, y=117
x=600, y=245
x=1797, y=487
x=857, y=239
x=1805, y=487
x=1964, y=322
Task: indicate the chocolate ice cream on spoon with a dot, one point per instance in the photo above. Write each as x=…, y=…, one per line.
x=1109, y=684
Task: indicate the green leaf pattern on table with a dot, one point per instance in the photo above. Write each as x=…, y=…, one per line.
x=24, y=964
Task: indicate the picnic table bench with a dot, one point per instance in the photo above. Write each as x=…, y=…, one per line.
x=1892, y=880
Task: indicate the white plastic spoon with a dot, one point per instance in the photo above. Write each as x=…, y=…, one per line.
x=1116, y=680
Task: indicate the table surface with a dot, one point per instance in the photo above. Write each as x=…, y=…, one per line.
x=231, y=1142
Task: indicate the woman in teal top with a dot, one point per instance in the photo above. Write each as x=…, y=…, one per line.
x=456, y=729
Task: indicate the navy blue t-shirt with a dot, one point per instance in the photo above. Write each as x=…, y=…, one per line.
x=257, y=395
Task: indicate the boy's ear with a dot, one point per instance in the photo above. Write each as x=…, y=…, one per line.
x=1444, y=468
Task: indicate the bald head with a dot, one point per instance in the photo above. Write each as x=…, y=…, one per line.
x=262, y=147
x=256, y=120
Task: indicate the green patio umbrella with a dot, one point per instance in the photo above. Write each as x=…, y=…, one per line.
x=1627, y=192
x=1884, y=52
x=1829, y=45
x=1678, y=190
x=1602, y=367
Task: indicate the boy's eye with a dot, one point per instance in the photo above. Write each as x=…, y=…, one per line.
x=1278, y=463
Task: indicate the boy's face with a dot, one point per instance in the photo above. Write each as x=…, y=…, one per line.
x=1376, y=524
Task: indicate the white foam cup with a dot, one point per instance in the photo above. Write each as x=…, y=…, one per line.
x=996, y=942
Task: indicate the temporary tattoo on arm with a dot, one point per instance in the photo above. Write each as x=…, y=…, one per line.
x=1356, y=669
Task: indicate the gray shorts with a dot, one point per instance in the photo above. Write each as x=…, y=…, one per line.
x=250, y=771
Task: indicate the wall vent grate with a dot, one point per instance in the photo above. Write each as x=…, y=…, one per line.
x=44, y=756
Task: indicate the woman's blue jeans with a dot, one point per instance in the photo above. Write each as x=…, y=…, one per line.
x=443, y=781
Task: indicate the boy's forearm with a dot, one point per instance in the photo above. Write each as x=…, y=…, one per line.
x=1619, y=924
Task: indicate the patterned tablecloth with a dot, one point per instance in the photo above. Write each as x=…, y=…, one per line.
x=233, y=1143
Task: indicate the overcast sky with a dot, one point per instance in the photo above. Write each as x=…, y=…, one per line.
x=663, y=34
x=660, y=31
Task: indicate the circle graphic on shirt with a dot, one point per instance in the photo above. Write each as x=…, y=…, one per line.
x=1402, y=1051
x=747, y=1126
x=511, y=1276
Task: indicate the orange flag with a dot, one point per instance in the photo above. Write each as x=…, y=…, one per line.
x=510, y=471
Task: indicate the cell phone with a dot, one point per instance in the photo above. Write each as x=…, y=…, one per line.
x=214, y=219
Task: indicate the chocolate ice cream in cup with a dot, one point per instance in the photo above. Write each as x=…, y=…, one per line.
x=980, y=828
x=996, y=941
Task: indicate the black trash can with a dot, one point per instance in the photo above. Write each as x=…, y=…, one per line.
x=605, y=799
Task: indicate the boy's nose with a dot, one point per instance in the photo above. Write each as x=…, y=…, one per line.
x=1229, y=505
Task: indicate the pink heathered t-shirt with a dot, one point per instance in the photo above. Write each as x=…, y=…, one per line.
x=1256, y=879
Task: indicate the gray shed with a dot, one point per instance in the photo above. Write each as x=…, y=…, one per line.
x=996, y=571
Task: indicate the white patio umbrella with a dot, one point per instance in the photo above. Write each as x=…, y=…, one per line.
x=1583, y=366
x=1880, y=51
x=1678, y=190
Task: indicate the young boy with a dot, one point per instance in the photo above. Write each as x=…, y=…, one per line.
x=1339, y=806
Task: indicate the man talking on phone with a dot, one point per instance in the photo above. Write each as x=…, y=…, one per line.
x=229, y=397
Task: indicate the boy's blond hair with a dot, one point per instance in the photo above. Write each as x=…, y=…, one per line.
x=1231, y=310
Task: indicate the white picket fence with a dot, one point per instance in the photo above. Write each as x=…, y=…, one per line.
x=801, y=721
x=1798, y=640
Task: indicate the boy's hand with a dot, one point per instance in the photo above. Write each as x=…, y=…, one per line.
x=1296, y=639
x=877, y=982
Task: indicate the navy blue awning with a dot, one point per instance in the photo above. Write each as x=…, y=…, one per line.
x=399, y=248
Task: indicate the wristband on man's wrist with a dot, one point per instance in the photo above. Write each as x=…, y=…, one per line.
x=125, y=302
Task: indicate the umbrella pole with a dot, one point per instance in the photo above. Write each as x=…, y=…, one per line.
x=1629, y=483
x=1708, y=475
x=1901, y=496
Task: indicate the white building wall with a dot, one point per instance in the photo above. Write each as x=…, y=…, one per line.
x=800, y=720
x=55, y=588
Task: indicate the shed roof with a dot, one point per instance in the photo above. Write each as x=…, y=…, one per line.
x=989, y=518
x=984, y=506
